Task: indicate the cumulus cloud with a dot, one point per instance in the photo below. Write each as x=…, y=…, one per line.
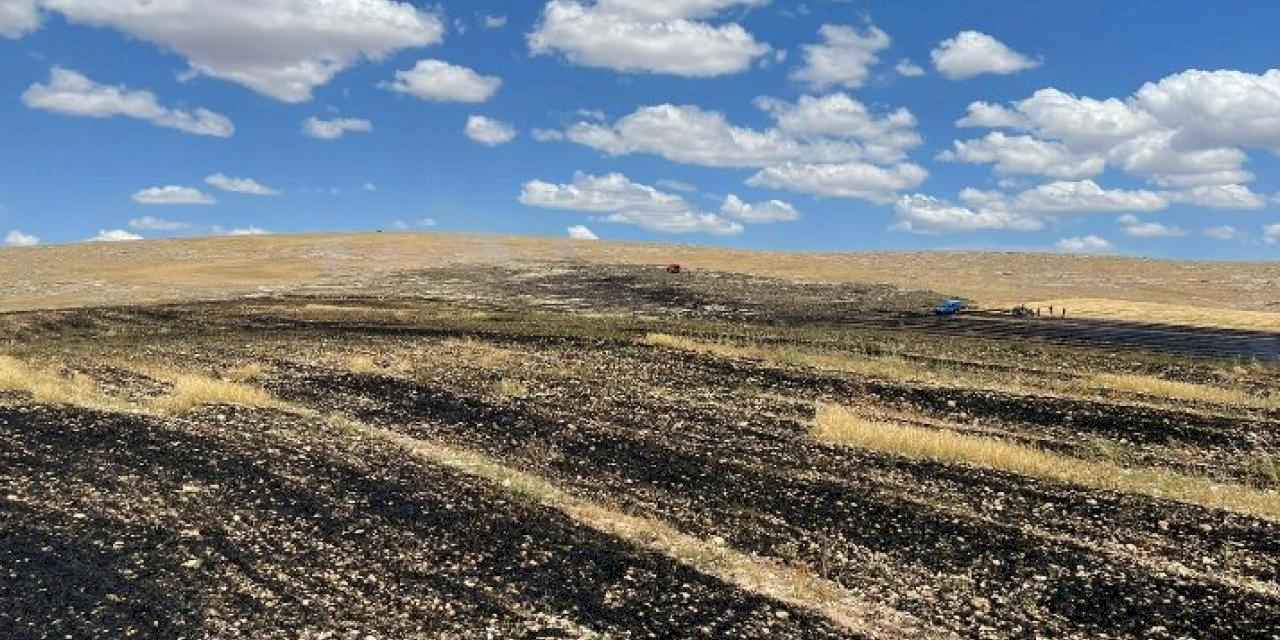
x=908, y=69
x=1024, y=155
x=1226, y=196
x=18, y=18
x=626, y=202
x=1139, y=229
x=172, y=195
x=973, y=53
x=1224, y=232
x=247, y=186
x=440, y=81
x=676, y=185
x=547, y=135
x=760, y=212
x=647, y=37
x=1084, y=244
x=152, y=223
x=924, y=214
x=280, y=48
x=883, y=137
x=1190, y=129
x=420, y=223
x=1271, y=234
x=581, y=232
x=248, y=231
x=858, y=180
x=489, y=132
x=16, y=238
x=843, y=59
x=114, y=235
x=333, y=129
x=828, y=146
x=1085, y=196
x=72, y=93
x=495, y=22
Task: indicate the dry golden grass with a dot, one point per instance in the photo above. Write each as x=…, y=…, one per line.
x=788, y=583
x=191, y=391
x=508, y=388
x=51, y=387
x=363, y=364
x=250, y=372
x=173, y=270
x=480, y=354
x=1111, y=309
x=887, y=367
x=843, y=426
x=1175, y=390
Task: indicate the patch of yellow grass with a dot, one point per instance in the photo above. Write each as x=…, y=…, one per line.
x=1175, y=390
x=50, y=387
x=1107, y=309
x=246, y=373
x=191, y=391
x=363, y=364
x=840, y=425
x=481, y=354
x=890, y=367
x=508, y=388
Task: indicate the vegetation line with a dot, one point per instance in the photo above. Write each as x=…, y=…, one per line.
x=793, y=585
x=843, y=426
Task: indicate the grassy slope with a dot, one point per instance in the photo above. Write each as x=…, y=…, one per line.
x=171, y=270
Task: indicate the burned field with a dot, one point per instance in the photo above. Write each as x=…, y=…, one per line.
x=562, y=452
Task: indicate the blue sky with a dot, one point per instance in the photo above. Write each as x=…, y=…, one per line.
x=1088, y=126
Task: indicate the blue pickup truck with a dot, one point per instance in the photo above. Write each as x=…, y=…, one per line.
x=950, y=307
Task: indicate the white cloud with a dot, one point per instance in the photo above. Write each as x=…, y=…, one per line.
x=676, y=185
x=1085, y=244
x=845, y=180
x=440, y=81
x=547, y=135
x=1187, y=130
x=495, y=22
x=1223, y=108
x=114, y=235
x=280, y=48
x=690, y=135
x=580, y=232
x=1086, y=196
x=422, y=223
x=1224, y=232
x=883, y=137
x=240, y=185
x=908, y=69
x=928, y=215
x=489, y=132
x=653, y=37
x=1229, y=196
x=249, y=231
x=152, y=223
x=1024, y=155
x=16, y=238
x=71, y=93
x=172, y=195
x=1139, y=229
x=593, y=114
x=973, y=53
x=626, y=202
x=760, y=212
x=18, y=18
x=843, y=59
x=333, y=129
x=1271, y=234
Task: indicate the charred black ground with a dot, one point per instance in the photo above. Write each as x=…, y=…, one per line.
x=235, y=522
